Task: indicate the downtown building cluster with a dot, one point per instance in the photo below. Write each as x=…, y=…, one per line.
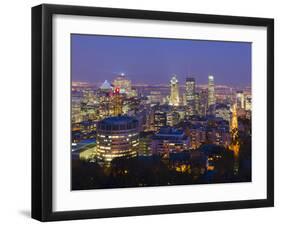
x=118, y=119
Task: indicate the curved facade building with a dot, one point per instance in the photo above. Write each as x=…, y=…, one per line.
x=117, y=137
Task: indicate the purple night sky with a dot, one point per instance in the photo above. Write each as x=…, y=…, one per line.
x=96, y=58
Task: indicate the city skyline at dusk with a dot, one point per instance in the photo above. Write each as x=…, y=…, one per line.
x=96, y=58
x=159, y=112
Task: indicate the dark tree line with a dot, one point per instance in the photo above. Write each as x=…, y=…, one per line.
x=154, y=171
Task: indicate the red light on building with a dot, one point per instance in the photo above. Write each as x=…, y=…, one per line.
x=117, y=90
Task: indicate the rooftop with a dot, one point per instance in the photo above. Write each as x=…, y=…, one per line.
x=117, y=120
x=106, y=85
x=169, y=133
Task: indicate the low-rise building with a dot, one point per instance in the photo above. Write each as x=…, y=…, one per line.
x=169, y=140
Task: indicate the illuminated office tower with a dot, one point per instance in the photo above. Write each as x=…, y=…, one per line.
x=104, y=100
x=235, y=143
x=123, y=84
x=190, y=96
x=117, y=102
x=223, y=111
x=240, y=100
x=211, y=91
x=117, y=137
x=159, y=119
x=203, y=102
x=248, y=103
x=174, y=96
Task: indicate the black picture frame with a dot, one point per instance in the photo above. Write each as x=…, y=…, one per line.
x=42, y=111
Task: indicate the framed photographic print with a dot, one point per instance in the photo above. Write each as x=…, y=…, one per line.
x=146, y=112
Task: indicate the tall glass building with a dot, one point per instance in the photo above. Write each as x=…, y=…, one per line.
x=174, y=96
x=211, y=91
x=190, y=96
x=123, y=84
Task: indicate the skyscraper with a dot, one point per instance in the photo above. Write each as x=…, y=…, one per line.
x=123, y=84
x=104, y=94
x=211, y=91
x=174, y=96
x=117, y=102
x=248, y=103
x=190, y=96
x=240, y=100
x=203, y=102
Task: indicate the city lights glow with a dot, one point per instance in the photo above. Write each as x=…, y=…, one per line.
x=185, y=128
